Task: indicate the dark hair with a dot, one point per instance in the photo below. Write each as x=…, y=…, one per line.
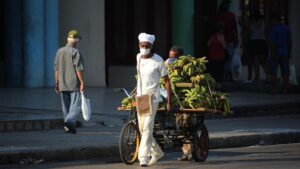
x=177, y=49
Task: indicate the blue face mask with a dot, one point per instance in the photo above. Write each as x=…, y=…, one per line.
x=171, y=60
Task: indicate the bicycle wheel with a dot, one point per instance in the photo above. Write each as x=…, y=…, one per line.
x=200, y=145
x=129, y=143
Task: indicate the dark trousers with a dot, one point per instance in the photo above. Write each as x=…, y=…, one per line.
x=216, y=69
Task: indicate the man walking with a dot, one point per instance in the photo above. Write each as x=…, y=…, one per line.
x=69, y=82
x=150, y=68
x=280, y=46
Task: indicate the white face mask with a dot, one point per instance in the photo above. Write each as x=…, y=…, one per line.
x=144, y=51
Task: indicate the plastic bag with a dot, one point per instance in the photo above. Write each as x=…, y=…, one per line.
x=237, y=67
x=85, y=108
x=293, y=76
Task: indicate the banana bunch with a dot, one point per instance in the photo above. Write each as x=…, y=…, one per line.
x=224, y=104
x=182, y=60
x=175, y=79
x=193, y=97
x=203, y=80
x=186, y=66
x=174, y=103
x=219, y=101
x=188, y=69
x=127, y=102
x=162, y=83
x=197, y=78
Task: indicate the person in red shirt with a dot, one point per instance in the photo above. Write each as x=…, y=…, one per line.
x=230, y=34
x=216, y=53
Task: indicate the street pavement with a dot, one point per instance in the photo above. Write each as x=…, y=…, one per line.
x=285, y=156
x=99, y=137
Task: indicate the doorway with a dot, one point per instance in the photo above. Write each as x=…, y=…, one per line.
x=204, y=10
x=124, y=20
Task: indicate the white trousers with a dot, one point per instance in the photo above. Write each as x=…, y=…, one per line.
x=148, y=146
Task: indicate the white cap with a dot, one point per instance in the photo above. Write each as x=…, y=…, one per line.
x=144, y=37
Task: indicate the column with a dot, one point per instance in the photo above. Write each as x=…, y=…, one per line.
x=12, y=47
x=51, y=39
x=183, y=25
x=33, y=43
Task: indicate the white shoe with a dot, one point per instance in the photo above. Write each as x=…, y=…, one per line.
x=144, y=161
x=155, y=158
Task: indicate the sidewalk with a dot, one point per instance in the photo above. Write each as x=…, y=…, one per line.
x=96, y=140
x=99, y=138
x=35, y=109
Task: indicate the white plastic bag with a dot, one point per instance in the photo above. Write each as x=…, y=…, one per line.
x=237, y=67
x=85, y=108
x=293, y=76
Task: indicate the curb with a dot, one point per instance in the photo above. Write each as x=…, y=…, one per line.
x=242, y=111
x=113, y=151
x=260, y=110
x=255, y=139
x=25, y=119
x=60, y=155
x=254, y=87
x=30, y=125
x=266, y=110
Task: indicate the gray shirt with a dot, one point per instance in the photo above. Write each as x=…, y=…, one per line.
x=67, y=62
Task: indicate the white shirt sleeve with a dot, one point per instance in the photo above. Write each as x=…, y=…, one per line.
x=162, y=69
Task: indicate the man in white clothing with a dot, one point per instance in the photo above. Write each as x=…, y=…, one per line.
x=151, y=68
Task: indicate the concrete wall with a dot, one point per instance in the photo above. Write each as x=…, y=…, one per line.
x=125, y=76
x=88, y=17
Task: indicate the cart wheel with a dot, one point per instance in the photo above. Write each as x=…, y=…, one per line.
x=129, y=143
x=200, y=145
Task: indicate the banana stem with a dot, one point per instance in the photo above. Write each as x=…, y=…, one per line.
x=177, y=99
x=210, y=93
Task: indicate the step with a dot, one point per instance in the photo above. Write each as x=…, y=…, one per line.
x=30, y=125
x=14, y=119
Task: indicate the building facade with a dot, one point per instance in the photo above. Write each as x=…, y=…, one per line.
x=35, y=29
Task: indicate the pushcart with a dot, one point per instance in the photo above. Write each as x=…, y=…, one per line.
x=167, y=131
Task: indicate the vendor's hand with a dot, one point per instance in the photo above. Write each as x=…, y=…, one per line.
x=169, y=107
x=57, y=89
